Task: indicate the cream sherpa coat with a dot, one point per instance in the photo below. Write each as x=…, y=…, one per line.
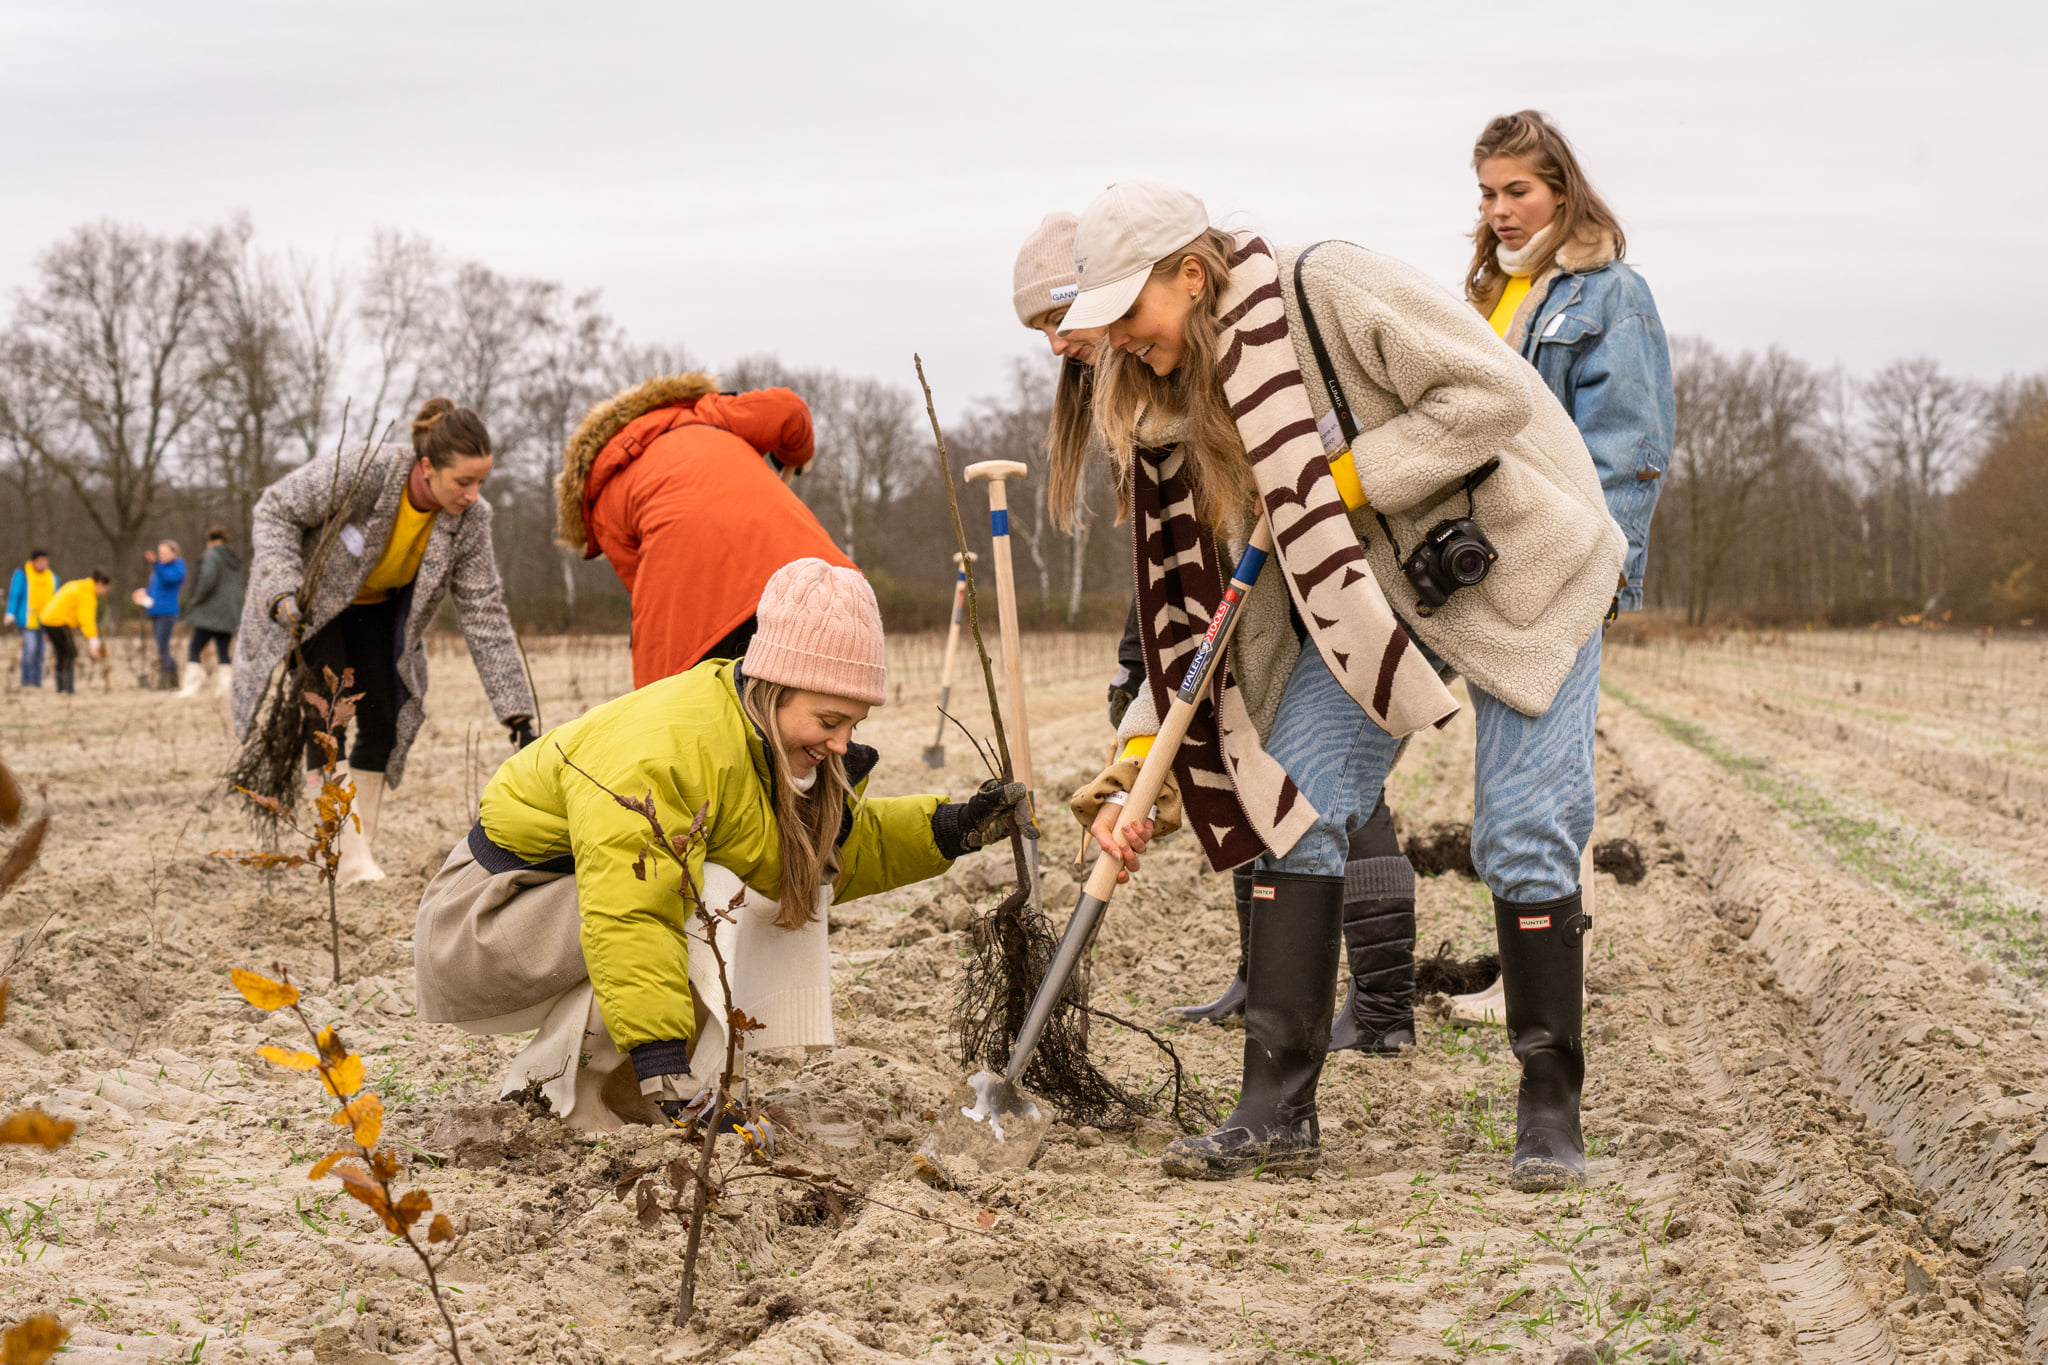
x=1436, y=396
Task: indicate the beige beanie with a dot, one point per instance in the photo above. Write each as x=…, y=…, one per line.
x=819, y=629
x=1046, y=278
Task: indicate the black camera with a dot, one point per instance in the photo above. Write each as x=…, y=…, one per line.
x=1455, y=554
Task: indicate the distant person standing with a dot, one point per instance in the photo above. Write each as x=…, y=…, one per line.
x=159, y=601
x=31, y=590
x=213, y=609
x=75, y=606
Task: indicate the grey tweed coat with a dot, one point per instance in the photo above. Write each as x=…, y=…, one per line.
x=459, y=557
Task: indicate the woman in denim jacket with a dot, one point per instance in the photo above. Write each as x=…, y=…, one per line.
x=1547, y=272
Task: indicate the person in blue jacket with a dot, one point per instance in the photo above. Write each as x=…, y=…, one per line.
x=159, y=602
x=1548, y=273
x=33, y=586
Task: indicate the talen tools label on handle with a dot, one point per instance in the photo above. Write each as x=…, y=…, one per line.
x=1263, y=893
x=1534, y=921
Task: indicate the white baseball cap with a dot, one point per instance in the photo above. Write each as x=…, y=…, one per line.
x=1131, y=226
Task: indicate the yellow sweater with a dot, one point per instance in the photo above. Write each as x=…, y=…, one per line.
x=74, y=604
x=1510, y=299
x=400, y=562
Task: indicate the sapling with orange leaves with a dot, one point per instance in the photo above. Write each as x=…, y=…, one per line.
x=333, y=804
x=369, y=1173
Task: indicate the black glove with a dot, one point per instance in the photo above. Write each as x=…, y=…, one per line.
x=982, y=819
x=520, y=728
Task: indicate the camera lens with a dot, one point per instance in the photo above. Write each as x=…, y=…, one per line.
x=1467, y=562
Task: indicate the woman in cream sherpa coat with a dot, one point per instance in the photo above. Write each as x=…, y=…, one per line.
x=1435, y=399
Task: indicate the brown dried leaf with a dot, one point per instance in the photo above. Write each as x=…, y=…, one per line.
x=326, y=1164
x=702, y=818
x=440, y=1230
x=986, y=1219
x=640, y=865
x=262, y=992
x=649, y=1207
x=384, y=1164
x=268, y=803
x=412, y=1205
x=742, y=1022
x=317, y=704
x=11, y=798
x=34, y=1128
x=343, y=1078
x=22, y=856
x=33, y=1341
x=364, y=1117
x=362, y=1188
x=625, y=1183
x=291, y=1061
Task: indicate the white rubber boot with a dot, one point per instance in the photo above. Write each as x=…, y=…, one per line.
x=224, y=681
x=357, y=865
x=194, y=680
x=1489, y=1007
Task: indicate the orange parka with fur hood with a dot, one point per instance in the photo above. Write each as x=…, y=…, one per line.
x=667, y=481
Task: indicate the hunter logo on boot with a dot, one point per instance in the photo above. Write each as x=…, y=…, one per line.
x=1263, y=893
x=1534, y=921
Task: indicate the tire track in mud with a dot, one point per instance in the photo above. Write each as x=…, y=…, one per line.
x=1900, y=1027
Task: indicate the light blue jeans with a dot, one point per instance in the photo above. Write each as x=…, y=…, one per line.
x=32, y=643
x=1533, y=802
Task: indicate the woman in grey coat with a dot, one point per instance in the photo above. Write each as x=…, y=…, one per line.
x=414, y=526
x=213, y=609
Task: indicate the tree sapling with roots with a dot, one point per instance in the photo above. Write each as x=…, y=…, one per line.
x=333, y=808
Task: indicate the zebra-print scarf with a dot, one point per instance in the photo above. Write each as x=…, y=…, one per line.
x=1238, y=799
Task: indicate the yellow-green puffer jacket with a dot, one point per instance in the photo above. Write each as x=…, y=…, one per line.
x=686, y=740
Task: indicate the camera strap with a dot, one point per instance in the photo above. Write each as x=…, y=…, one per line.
x=1340, y=407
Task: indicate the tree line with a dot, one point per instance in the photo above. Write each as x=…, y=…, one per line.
x=1797, y=494
x=152, y=384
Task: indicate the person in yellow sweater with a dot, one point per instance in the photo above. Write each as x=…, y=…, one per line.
x=551, y=915
x=413, y=528
x=75, y=606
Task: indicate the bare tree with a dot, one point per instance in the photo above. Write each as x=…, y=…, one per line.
x=1923, y=427
x=1738, y=419
x=402, y=301
x=112, y=337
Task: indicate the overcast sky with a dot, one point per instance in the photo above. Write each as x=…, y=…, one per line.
x=845, y=183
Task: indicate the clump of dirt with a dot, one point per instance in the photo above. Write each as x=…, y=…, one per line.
x=1445, y=847
x=1621, y=860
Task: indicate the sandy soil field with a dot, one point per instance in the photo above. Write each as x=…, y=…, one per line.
x=1815, y=1100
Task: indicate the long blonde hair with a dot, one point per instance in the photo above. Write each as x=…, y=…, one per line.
x=806, y=823
x=1530, y=137
x=1125, y=386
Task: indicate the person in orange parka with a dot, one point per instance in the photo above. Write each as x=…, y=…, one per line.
x=685, y=490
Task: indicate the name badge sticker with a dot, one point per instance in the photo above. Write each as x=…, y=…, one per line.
x=352, y=539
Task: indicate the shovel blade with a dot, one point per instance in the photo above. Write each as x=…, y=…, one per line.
x=935, y=757
x=991, y=1124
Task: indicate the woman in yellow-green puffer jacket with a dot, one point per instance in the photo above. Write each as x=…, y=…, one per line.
x=539, y=921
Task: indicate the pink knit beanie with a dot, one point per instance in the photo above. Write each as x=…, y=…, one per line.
x=819, y=629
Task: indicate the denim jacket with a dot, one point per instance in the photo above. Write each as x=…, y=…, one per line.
x=1599, y=345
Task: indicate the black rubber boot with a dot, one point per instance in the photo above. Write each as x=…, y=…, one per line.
x=67, y=679
x=1379, y=937
x=1290, y=984
x=1230, y=1004
x=166, y=677
x=1543, y=974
